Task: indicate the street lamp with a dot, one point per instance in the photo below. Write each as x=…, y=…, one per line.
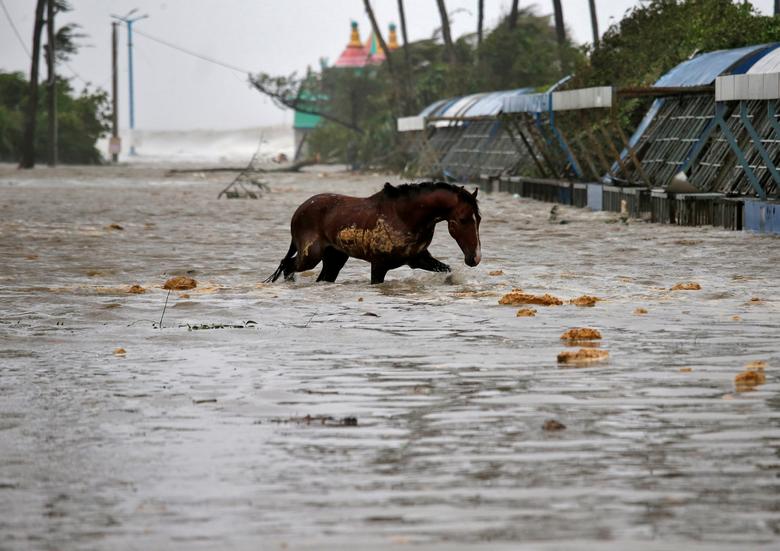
x=129, y=21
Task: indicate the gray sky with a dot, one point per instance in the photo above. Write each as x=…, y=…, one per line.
x=175, y=91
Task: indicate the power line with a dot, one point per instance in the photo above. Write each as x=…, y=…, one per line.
x=194, y=54
x=24, y=46
x=16, y=32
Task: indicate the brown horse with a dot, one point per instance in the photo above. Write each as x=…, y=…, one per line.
x=389, y=229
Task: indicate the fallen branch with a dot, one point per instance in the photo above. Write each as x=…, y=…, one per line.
x=209, y=169
x=294, y=167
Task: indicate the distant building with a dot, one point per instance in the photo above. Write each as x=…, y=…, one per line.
x=303, y=124
x=375, y=53
x=356, y=55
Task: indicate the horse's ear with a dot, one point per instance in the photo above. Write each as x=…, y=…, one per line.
x=474, y=195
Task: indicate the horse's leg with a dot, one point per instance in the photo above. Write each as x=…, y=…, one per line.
x=378, y=272
x=309, y=255
x=424, y=261
x=332, y=262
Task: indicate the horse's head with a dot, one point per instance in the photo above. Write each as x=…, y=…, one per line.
x=463, y=223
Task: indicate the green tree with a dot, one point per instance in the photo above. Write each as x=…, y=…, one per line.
x=81, y=118
x=654, y=37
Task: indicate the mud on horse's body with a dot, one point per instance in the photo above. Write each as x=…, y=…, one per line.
x=389, y=229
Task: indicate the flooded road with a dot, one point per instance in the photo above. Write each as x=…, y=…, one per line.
x=242, y=436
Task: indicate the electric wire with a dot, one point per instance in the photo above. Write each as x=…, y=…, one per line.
x=193, y=54
x=16, y=31
x=24, y=46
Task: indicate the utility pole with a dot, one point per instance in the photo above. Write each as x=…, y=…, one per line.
x=51, y=54
x=114, y=146
x=28, y=139
x=777, y=7
x=560, y=30
x=594, y=21
x=126, y=19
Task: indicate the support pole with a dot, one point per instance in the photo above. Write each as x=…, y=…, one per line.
x=130, y=84
x=720, y=110
x=768, y=163
x=594, y=22
x=131, y=97
x=114, y=93
x=52, y=84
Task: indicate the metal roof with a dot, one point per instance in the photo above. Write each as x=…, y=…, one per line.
x=493, y=103
x=702, y=69
x=768, y=63
x=473, y=105
x=437, y=106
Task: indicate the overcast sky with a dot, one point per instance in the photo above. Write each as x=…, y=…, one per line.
x=176, y=91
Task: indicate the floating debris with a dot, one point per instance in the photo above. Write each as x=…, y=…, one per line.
x=686, y=369
x=640, y=311
x=184, y=295
x=204, y=326
x=517, y=296
x=686, y=286
x=325, y=420
x=496, y=273
x=581, y=334
x=360, y=299
x=736, y=318
x=751, y=377
x=526, y=313
x=585, y=300
x=474, y=294
x=136, y=289
x=553, y=425
x=180, y=283
x=116, y=227
x=582, y=356
x=204, y=401
x=120, y=352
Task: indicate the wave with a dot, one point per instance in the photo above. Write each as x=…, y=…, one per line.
x=205, y=146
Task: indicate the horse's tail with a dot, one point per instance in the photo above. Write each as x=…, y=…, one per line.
x=283, y=264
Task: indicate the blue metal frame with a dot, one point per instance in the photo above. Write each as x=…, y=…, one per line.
x=718, y=120
x=743, y=115
x=770, y=111
x=561, y=142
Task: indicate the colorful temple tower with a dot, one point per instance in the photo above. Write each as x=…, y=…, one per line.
x=355, y=55
x=375, y=53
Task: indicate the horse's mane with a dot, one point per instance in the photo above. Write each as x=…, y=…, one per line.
x=412, y=190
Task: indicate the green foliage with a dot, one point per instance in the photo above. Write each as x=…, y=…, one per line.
x=525, y=56
x=371, y=98
x=653, y=38
x=81, y=120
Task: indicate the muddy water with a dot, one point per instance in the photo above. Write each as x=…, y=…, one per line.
x=198, y=438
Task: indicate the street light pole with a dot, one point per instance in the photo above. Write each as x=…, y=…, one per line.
x=129, y=22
